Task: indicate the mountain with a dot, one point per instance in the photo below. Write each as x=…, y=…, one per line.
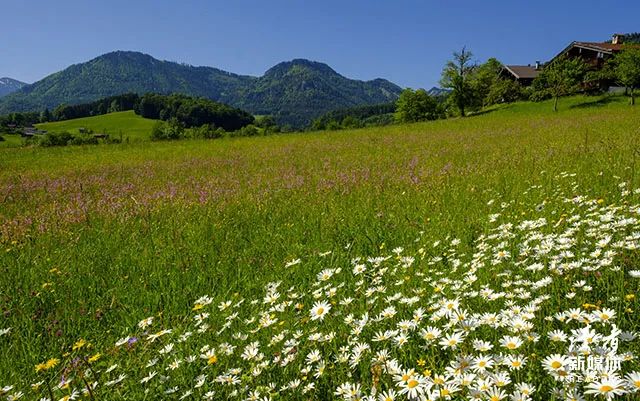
x=437, y=92
x=294, y=92
x=9, y=85
x=299, y=90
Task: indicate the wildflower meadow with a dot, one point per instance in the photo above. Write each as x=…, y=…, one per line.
x=494, y=258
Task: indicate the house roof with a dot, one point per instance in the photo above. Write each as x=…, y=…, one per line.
x=608, y=48
x=603, y=47
x=522, y=71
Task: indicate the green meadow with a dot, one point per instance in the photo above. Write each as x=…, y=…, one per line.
x=125, y=124
x=94, y=239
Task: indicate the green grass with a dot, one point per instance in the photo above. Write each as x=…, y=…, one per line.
x=94, y=239
x=11, y=141
x=126, y=123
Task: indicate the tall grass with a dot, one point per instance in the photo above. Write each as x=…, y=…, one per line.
x=95, y=239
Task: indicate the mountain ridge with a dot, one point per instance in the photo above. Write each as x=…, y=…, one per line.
x=293, y=91
x=10, y=85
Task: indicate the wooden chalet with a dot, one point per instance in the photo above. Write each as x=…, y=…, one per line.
x=594, y=54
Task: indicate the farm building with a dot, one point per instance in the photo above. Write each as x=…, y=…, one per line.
x=594, y=54
x=523, y=74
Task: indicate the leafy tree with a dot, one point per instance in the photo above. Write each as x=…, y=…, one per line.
x=350, y=122
x=504, y=91
x=560, y=78
x=456, y=76
x=248, y=130
x=333, y=125
x=45, y=116
x=484, y=78
x=627, y=70
x=167, y=131
x=415, y=106
x=267, y=124
x=632, y=37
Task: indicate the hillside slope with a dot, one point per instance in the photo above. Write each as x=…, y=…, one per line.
x=126, y=123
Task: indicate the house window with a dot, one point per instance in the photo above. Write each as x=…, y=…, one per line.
x=600, y=55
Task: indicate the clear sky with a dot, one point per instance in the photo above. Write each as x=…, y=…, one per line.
x=406, y=42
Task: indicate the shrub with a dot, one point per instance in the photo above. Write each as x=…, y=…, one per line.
x=170, y=131
x=56, y=139
x=83, y=140
x=1, y=138
x=249, y=130
x=207, y=131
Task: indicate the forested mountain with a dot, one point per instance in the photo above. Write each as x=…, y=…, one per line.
x=293, y=92
x=9, y=85
x=297, y=91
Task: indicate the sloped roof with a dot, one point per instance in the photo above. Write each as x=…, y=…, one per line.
x=603, y=47
x=522, y=71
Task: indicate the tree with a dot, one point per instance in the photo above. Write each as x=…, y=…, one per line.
x=413, y=106
x=45, y=116
x=562, y=77
x=484, y=78
x=163, y=131
x=504, y=91
x=456, y=76
x=350, y=122
x=627, y=70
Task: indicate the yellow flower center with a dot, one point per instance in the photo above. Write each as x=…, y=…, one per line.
x=605, y=388
x=320, y=311
x=482, y=364
x=556, y=364
x=516, y=364
x=212, y=359
x=444, y=392
x=512, y=346
x=412, y=383
x=495, y=398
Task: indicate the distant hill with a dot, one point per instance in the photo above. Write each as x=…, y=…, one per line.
x=293, y=92
x=9, y=85
x=437, y=92
x=126, y=123
x=299, y=90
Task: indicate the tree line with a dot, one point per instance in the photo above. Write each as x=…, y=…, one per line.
x=188, y=111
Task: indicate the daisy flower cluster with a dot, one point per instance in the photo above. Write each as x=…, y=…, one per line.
x=533, y=308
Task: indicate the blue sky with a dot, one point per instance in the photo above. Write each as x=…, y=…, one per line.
x=406, y=42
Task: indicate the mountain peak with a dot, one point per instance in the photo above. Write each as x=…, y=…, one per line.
x=298, y=65
x=126, y=56
x=9, y=85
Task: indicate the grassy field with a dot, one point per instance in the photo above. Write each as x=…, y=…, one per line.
x=11, y=141
x=127, y=124
x=392, y=261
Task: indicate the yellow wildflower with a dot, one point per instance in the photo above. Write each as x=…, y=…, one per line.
x=79, y=344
